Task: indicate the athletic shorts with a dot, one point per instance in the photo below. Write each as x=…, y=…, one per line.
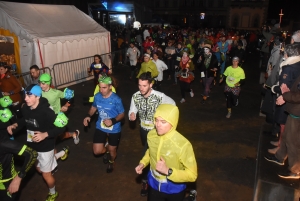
x=46, y=161
x=100, y=137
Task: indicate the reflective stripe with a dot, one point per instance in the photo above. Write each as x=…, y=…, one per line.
x=22, y=150
x=295, y=117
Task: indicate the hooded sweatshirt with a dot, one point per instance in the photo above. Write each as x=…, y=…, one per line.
x=175, y=149
x=40, y=119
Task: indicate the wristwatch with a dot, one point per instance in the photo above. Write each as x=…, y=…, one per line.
x=170, y=171
x=21, y=175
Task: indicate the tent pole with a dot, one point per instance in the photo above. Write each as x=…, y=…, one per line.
x=38, y=42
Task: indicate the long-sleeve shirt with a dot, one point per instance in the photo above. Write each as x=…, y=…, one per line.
x=133, y=54
x=146, y=106
x=148, y=67
x=161, y=66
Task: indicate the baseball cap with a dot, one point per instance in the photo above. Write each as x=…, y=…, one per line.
x=33, y=90
x=45, y=78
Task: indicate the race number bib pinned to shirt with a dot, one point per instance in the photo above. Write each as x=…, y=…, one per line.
x=102, y=124
x=30, y=134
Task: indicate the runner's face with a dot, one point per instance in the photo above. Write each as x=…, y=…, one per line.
x=105, y=89
x=44, y=86
x=31, y=100
x=97, y=60
x=144, y=87
x=3, y=70
x=162, y=126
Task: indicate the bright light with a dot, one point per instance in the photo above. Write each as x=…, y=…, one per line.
x=122, y=19
x=129, y=16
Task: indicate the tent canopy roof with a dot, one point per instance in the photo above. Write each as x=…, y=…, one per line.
x=49, y=23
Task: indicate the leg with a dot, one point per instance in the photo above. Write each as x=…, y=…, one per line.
x=182, y=89
x=229, y=101
x=144, y=134
x=99, y=142
x=154, y=195
x=49, y=179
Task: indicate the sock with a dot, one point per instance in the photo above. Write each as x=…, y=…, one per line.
x=52, y=190
x=229, y=110
x=59, y=154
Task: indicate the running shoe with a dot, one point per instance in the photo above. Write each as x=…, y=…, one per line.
x=110, y=167
x=144, y=190
x=273, y=159
x=52, y=197
x=192, y=196
x=237, y=102
x=228, y=115
x=106, y=158
x=76, y=137
x=192, y=93
x=65, y=156
x=182, y=100
x=289, y=175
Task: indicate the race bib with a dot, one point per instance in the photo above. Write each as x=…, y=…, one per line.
x=102, y=125
x=178, y=58
x=147, y=124
x=231, y=79
x=202, y=74
x=30, y=134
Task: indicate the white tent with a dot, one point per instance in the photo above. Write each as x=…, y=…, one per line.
x=48, y=34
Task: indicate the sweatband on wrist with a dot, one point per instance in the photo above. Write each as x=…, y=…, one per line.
x=113, y=121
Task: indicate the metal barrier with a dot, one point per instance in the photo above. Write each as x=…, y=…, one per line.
x=70, y=72
x=75, y=71
x=25, y=79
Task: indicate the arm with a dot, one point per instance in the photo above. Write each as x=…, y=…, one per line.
x=16, y=84
x=164, y=66
x=188, y=160
x=132, y=111
x=167, y=100
x=292, y=97
x=91, y=112
x=146, y=158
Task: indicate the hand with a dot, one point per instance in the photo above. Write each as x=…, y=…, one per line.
x=139, y=168
x=162, y=167
x=214, y=69
x=14, y=185
x=132, y=116
x=107, y=122
x=64, y=108
x=284, y=88
x=280, y=101
x=11, y=127
x=39, y=136
x=221, y=80
x=86, y=121
x=5, y=93
x=237, y=84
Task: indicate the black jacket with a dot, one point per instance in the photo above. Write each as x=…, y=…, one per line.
x=40, y=119
x=213, y=64
x=292, y=99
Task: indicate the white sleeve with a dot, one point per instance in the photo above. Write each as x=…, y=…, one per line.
x=165, y=67
x=167, y=100
x=132, y=108
x=138, y=52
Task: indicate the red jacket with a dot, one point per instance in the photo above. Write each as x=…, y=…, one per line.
x=10, y=84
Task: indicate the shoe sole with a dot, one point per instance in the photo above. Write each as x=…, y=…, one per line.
x=289, y=177
x=278, y=163
x=77, y=137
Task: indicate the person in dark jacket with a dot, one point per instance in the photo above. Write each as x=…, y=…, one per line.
x=288, y=73
x=39, y=120
x=289, y=145
x=209, y=68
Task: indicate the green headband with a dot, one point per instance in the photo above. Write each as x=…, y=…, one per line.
x=105, y=80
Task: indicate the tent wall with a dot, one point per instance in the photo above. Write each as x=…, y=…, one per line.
x=27, y=56
x=60, y=52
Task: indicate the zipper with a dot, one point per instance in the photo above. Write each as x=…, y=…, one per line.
x=158, y=157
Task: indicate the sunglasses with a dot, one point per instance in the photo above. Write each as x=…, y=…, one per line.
x=28, y=93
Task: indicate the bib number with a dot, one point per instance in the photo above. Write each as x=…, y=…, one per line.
x=30, y=134
x=102, y=125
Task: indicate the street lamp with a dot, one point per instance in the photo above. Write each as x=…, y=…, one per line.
x=280, y=16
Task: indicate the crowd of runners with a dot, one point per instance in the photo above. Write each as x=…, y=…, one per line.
x=168, y=161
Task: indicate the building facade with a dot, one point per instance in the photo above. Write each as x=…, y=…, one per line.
x=241, y=14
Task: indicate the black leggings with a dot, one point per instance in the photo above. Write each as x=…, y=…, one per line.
x=154, y=195
x=144, y=134
x=184, y=87
x=231, y=99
